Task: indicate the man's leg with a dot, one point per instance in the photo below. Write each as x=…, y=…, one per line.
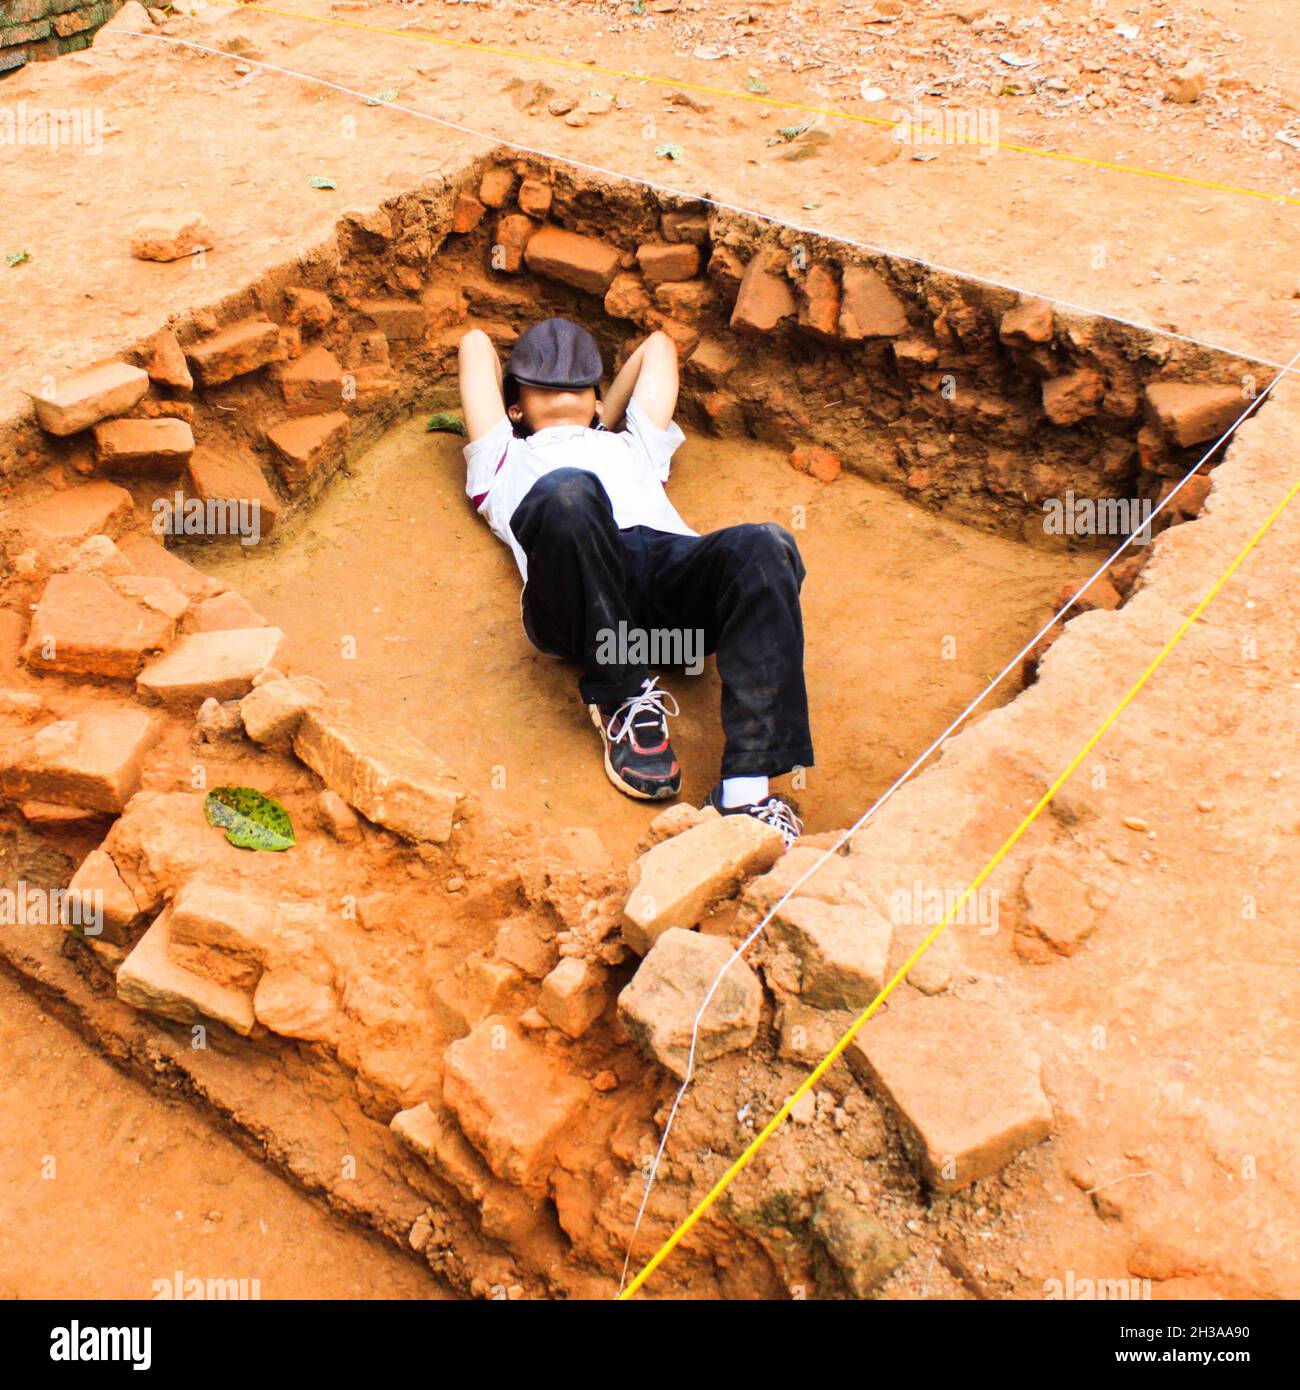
x=581, y=601
x=581, y=580
x=741, y=586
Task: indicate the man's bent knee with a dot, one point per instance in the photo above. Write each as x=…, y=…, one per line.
x=562, y=500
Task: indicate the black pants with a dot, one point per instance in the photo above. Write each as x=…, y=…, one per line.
x=738, y=586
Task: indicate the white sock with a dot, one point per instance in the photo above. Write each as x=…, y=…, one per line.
x=743, y=791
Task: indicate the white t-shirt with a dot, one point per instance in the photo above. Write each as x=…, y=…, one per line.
x=632, y=465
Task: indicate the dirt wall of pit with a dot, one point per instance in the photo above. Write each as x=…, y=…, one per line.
x=958, y=394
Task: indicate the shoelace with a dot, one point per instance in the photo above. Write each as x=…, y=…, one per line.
x=657, y=704
x=777, y=813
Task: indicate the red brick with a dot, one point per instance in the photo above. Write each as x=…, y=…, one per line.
x=83, y=626
x=580, y=261
x=467, y=214
x=1073, y=397
x=627, y=298
x=685, y=300
x=869, y=308
x=166, y=362
x=308, y=447
x=535, y=198
x=814, y=460
x=312, y=385
x=1192, y=412
x=87, y=510
x=78, y=402
x=497, y=186
x=92, y=761
x=235, y=351
x=221, y=476
x=764, y=298
x=150, y=558
x=310, y=309
x=399, y=320
x=512, y=235
x=677, y=225
x=161, y=446
x=217, y=665
x=819, y=312
x=672, y=261
x=1030, y=322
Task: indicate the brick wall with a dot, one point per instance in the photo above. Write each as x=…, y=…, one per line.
x=31, y=29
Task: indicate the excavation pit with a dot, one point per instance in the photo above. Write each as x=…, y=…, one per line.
x=955, y=413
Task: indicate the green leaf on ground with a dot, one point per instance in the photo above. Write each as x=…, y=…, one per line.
x=251, y=819
x=320, y=181
x=638, y=6
x=760, y=89
x=444, y=422
x=18, y=258
x=382, y=98
x=793, y=132
x=669, y=152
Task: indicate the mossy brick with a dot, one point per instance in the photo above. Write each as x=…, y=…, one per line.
x=26, y=33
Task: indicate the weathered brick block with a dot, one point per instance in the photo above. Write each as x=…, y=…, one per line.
x=1191, y=412
x=151, y=980
x=674, y=261
x=308, y=448
x=496, y=187
x=313, y=384
x=90, y=509
x=150, y=558
x=211, y=665
x=97, y=890
x=399, y=320
x=389, y=777
x=272, y=711
x=572, y=996
x=660, y=1005
x=92, y=761
x=171, y=236
x=84, y=626
x=678, y=881
x=964, y=1084
x=235, y=351
x=580, y=261
x=868, y=307
x=513, y=1101
x=78, y=402
x=235, y=480
x=843, y=952
x=764, y=298
x=143, y=446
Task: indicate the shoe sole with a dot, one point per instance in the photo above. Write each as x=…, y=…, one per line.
x=613, y=776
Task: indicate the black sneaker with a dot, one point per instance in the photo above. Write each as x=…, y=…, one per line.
x=772, y=810
x=639, y=757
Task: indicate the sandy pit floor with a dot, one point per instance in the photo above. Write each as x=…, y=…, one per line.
x=114, y=1189
x=887, y=584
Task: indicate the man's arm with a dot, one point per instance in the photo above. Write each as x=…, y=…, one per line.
x=649, y=377
x=480, y=384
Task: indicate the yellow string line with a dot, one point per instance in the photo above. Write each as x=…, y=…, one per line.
x=824, y=1065
x=762, y=99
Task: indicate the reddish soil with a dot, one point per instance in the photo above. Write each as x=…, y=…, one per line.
x=111, y=1189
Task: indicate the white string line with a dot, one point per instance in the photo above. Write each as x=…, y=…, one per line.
x=997, y=680
x=686, y=194
x=938, y=743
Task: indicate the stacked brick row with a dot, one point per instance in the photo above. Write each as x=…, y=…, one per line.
x=32, y=29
